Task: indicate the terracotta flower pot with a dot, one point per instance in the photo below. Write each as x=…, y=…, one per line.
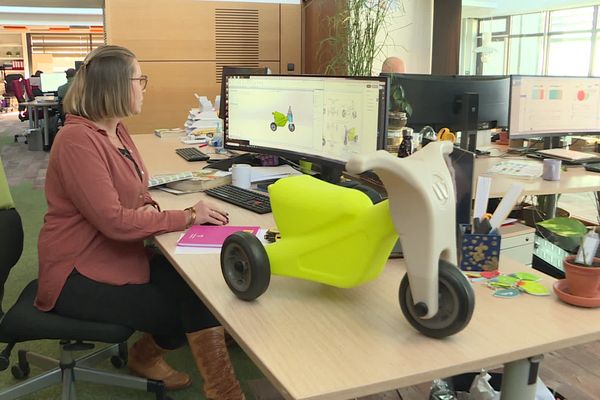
x=582, y=281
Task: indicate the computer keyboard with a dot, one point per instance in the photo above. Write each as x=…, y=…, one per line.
x=191, y=154
x=256, y=202
x=594, y=167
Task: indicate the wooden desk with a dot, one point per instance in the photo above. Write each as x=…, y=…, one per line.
x=318, y=342
x=574, y=180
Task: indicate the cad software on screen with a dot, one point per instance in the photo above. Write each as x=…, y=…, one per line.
x=327, y=117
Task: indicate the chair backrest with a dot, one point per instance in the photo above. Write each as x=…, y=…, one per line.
x=11, y=233
x=28, y=89
x=18, y=89
x=8, y=88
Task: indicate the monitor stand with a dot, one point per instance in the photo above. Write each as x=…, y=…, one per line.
x=552, y=142
x=331, y=173
x=469, y=106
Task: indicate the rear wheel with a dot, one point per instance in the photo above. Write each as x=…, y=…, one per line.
x=273, y=126
x=456, y=301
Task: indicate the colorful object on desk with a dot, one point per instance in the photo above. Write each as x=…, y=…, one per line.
x=520, y=281
x=338, y=236
x=506, y=293
x=446, y=134
x=480, y=252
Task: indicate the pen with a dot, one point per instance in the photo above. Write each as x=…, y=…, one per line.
x=203, y=145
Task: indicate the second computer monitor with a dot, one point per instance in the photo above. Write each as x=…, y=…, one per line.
x=545, y=106
x=323, y=119
x=50, y=81
x=436, y=100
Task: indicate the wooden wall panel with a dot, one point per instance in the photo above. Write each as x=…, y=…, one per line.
x=315, y=29
x=185, y=30
x=291, y=34
x=169, y=96
x=183, y=45
x=445, y=53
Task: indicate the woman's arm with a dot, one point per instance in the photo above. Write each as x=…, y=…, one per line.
x=87, y=183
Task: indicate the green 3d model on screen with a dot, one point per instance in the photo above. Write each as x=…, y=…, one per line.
x=280, y=119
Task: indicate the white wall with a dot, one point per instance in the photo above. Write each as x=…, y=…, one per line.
x=410, y=37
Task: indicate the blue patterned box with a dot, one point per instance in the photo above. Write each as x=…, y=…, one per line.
x=480, y=252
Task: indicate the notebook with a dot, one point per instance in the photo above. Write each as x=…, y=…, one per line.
x=211, y=236
x=569, y=155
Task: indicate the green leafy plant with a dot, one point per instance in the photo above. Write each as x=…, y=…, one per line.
x=568, y=228
x=354, y=30
x=398, y=101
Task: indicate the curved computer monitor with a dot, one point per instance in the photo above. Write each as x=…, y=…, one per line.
x=551, y=106
x=232, y=71
x=436, y=100
x=323, y=119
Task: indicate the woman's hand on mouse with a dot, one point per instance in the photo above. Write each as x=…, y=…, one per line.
x=209, y=213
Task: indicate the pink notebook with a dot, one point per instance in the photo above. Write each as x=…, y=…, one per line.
x=211, y=236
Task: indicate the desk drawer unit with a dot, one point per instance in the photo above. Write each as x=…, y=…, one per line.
x=517, y=243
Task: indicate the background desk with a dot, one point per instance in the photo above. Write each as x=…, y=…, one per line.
x=32, y=109
x=574, y=180
x=318, y=342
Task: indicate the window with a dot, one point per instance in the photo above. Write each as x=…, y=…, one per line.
x=525, y=57
x=573, y=19
x=527, y=24
x=56, y=52
x=564, y=49
x=540, y=43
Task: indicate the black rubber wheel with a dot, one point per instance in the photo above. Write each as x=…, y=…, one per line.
x=245, y=265
x=4, y=362
x=118, y=361
x=20, y=371
x=273, y=126
x=292, y=127
x=456, y=303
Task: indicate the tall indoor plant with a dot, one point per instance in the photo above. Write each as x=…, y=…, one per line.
x=355, y=39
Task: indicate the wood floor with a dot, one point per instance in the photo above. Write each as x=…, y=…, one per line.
x=574, y=372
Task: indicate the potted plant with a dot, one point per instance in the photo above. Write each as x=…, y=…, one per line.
x=399, y=109
x=582, y=271
x=356, y=35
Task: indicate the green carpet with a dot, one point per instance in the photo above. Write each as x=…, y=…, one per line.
x=32, y=206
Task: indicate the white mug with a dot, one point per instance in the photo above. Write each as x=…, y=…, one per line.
x=551, y=169
x=241, y=175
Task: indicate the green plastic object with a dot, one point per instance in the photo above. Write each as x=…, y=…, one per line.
x=6, y=200
x=335, y=235
x=279, y=118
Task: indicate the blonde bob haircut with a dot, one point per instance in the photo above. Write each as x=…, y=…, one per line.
x=102, y=85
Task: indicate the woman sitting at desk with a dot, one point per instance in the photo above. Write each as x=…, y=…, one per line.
x=93, y=263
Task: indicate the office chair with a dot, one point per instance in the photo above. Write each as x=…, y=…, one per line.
x=19, y=91
x=23, y=322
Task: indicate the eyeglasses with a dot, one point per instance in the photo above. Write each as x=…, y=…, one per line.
x=143, y=81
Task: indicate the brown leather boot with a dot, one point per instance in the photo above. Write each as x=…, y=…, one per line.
x=210, y=352
x=146, y=360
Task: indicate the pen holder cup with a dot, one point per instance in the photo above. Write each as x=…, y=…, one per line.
x=479, y=252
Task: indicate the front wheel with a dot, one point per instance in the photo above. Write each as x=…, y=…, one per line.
x=245, y=265
x=291, y=127
x=456, y=301
x=273, y=126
